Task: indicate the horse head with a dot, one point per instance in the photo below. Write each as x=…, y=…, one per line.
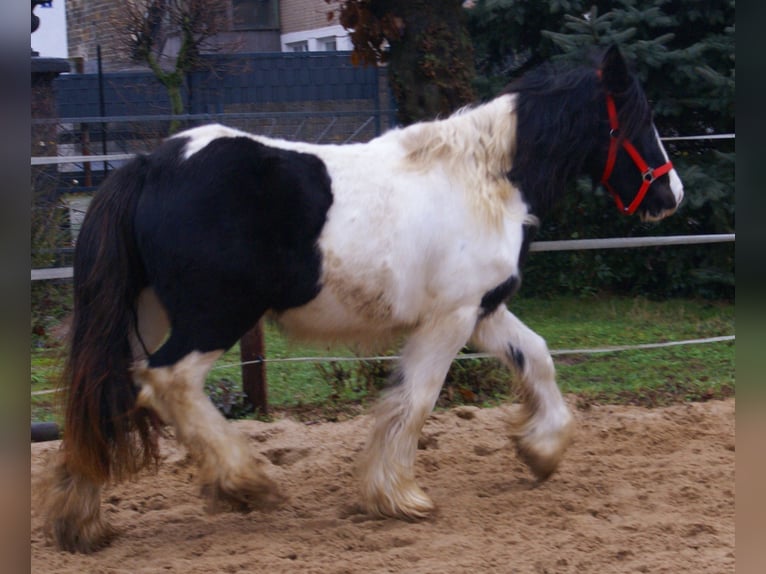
x=630, y=160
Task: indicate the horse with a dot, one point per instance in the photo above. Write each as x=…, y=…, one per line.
x=417, y=235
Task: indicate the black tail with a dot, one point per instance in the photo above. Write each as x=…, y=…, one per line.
x=105, y=434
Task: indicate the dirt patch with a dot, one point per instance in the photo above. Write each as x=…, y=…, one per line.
x=640, y=490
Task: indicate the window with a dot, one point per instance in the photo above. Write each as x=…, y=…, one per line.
x=256, y=14
x=328, y=44
x=298, y=46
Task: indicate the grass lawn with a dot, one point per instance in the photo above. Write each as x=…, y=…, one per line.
x=649, y=376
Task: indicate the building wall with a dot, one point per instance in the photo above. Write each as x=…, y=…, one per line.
x=306, y=27
x=94, y=22
x=301, y=15
x=91, y=23
x=302, y=23
x=328, y=38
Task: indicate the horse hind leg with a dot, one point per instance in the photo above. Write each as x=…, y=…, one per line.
x=543, y=428
x=153, y=324
x=386, y=469
x=230, y=473
x=73, y=508
x=70, y=492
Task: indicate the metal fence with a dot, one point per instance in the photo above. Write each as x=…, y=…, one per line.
x=227, y=84
x=62, y=182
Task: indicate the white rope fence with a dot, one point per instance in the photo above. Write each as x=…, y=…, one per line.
x=701, y=137
x=539, y=246
x=564, y=245
x=617, y=242
x=59, y=160
x=629, y=242
x=567, y=245
x=465, y=356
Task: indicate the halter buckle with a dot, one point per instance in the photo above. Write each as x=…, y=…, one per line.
x=648, y=175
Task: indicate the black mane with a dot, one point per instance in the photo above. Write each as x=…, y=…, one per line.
x=561, y=121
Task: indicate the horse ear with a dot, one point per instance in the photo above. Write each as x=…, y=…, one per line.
x=614, y=70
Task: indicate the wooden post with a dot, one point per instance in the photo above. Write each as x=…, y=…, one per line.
x=84, y=132
x=251, y=348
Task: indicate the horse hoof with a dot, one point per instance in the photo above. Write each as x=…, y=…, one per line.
x=75, y=537
x=418, y=506
x=72, y=503
x=542, y=466
x=410, y=503
x=241, y=494
x=542, y=454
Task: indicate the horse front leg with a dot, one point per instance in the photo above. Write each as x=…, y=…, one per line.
x=386, y=471
x=543, y=429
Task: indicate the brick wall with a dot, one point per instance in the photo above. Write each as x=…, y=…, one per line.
x=94, y=22
x=299, y=15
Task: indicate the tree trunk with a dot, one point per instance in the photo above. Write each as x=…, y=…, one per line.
x=176, y=105
x=173, y=81
x=431, y=67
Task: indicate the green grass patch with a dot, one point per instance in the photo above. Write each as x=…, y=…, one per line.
x=293, y=384
x=650, y=377
x=46, y=366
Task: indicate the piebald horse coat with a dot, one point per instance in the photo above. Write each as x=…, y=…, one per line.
x=419, y=234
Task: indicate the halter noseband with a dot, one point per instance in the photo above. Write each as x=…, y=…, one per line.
x=648, y=174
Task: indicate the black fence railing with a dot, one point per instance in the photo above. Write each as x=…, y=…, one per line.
x=231, y=83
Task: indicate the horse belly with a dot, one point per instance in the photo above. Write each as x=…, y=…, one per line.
x=368, y=290
x=350, y=318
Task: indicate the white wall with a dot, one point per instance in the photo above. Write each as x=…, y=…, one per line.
x=50, y=38
x=315, y=36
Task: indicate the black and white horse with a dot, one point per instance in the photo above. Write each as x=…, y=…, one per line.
x=419, y=234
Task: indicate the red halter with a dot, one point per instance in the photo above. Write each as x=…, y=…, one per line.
x=647, y=173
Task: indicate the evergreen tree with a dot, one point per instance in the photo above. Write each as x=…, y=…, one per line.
x=683, y=52
x=508, y=37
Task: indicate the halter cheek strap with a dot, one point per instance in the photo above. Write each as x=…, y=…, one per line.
x=648, y=174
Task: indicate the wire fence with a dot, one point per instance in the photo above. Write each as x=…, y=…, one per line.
x=463, y=356
x=573, y=245
x=563, y=245
x=58, y=273
x=469, y=356
x=60, y=160
x=65, y=272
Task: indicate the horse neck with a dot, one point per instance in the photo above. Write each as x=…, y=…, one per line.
x=556, y=137
x=471, y=137
x=474, y=146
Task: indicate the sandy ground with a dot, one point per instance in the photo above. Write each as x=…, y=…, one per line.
x=639, y=491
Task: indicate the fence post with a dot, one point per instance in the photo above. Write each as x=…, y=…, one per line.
x=251, y=348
